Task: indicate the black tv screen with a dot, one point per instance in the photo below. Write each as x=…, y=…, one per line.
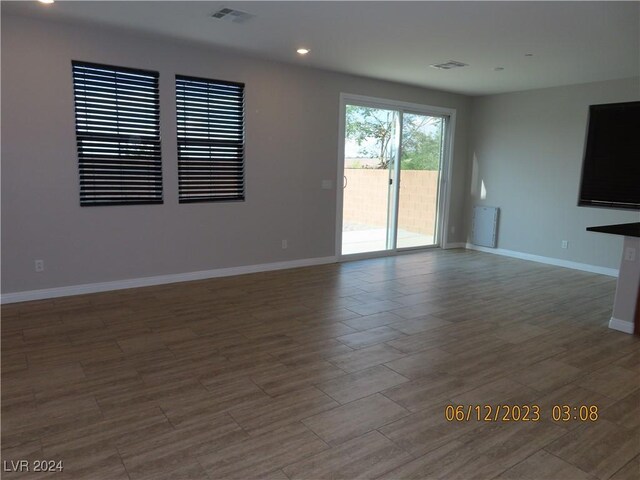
x=611, y=166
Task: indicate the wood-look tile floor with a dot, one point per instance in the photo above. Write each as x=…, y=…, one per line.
x=336, y=371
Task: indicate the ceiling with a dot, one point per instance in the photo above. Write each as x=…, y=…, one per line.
x=571, y=42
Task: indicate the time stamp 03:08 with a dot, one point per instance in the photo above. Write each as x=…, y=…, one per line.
x=519, y=413
x=452, y=413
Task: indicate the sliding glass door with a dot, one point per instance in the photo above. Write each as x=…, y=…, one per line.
x=391, y=178
x=422, y=140
x=369, y=170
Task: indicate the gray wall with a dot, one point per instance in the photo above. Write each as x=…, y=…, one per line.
x=527, y=148
x=292, y=144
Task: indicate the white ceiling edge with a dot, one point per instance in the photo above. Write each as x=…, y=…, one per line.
x=572, y=42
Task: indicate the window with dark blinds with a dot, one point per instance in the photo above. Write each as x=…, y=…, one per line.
x=210, y=117
x=118, y=134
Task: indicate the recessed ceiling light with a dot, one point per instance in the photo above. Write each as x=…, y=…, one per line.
x=46, y=1
x=499, y=69
x=303, y=51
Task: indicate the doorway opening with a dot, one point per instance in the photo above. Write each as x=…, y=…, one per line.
x=394, y=168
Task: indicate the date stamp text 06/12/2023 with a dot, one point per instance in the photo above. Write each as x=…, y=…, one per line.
x=520, y=413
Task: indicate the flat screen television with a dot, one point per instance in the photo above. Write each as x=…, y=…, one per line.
x=611, y=165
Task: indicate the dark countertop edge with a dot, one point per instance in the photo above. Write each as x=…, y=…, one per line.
x=626, y=229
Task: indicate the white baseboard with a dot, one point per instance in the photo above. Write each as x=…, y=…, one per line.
x=14, y=297
x=158, y=280
x=585, y=267
x=451, y=245
x=621, y=325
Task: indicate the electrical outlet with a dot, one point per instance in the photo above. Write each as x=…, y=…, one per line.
x=630, y=254
x=565, y=244
x=39, y=265
x=285, y=244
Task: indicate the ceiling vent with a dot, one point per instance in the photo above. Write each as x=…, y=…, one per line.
x=229, y=14
x=449, y=65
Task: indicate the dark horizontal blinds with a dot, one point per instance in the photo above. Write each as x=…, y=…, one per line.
x=210, y=117
x=118, y=135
